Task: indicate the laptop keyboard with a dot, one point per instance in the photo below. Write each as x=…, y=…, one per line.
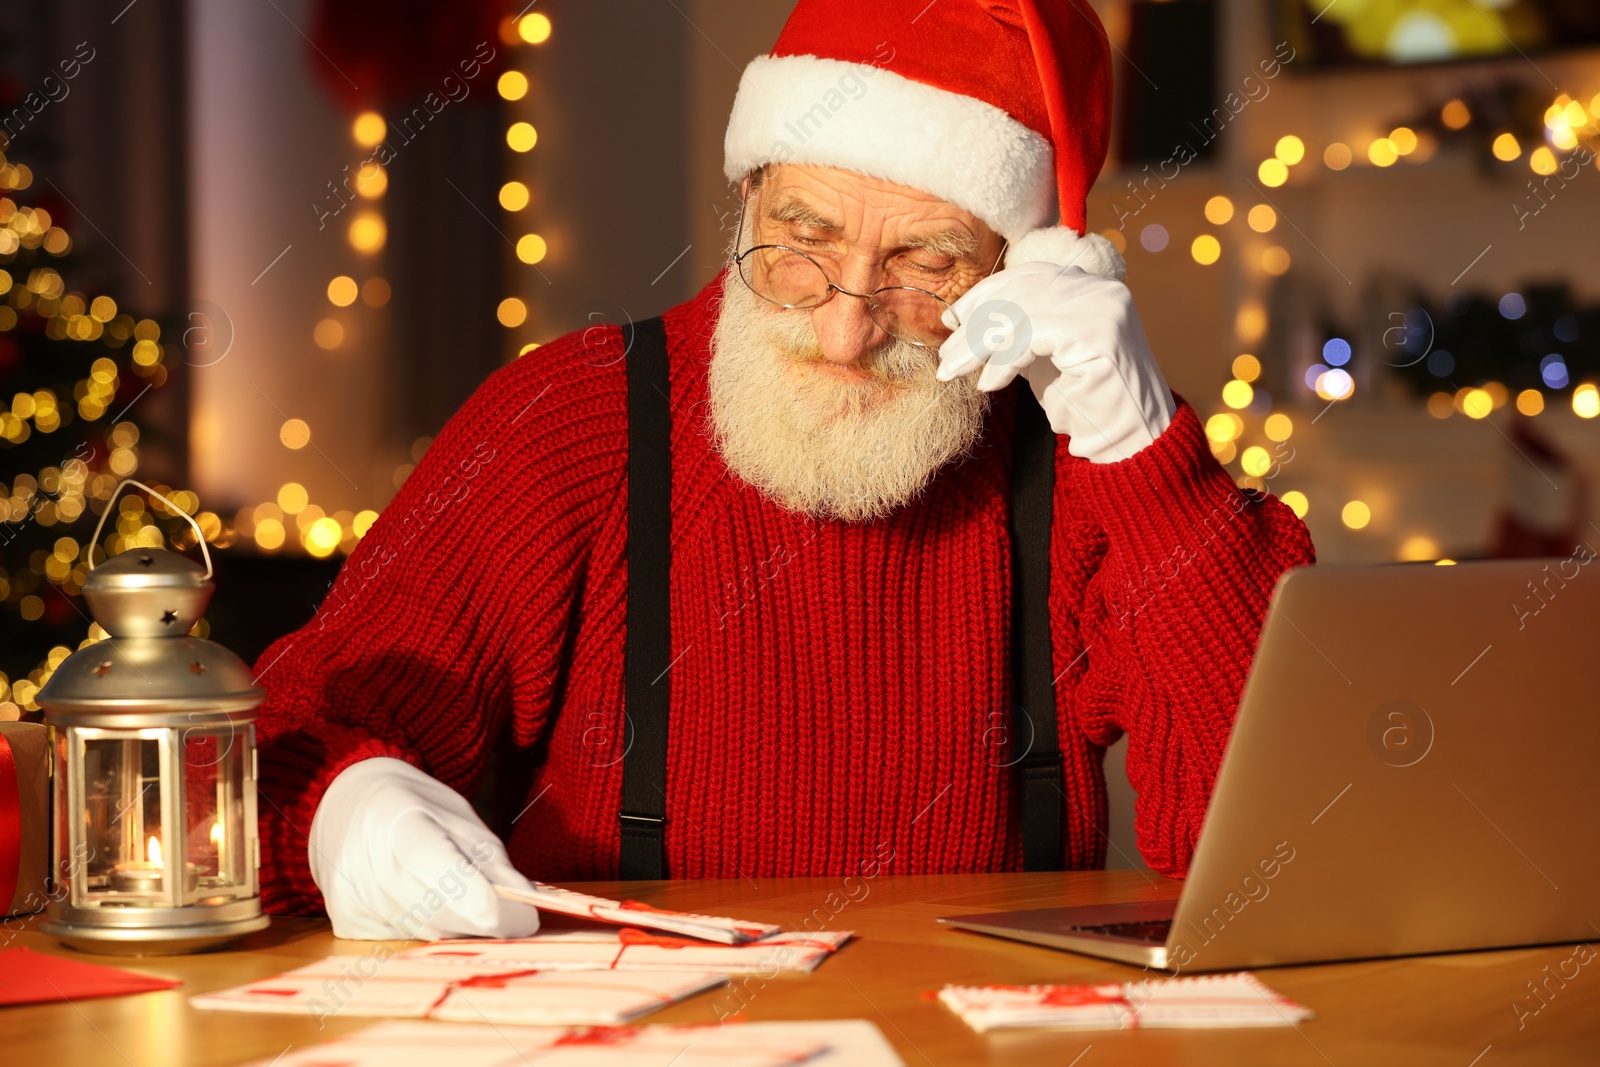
x=1151, y=932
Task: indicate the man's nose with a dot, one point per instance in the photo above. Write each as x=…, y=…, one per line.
x=844, y=328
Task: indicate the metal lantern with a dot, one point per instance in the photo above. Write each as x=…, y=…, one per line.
x=155, y=766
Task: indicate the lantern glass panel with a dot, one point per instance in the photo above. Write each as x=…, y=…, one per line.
x=123, y=806
x=214, y=813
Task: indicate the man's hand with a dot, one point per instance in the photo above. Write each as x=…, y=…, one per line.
x=1077, y=339
x=400, y=855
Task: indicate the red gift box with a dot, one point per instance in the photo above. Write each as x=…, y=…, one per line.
x=24, y=817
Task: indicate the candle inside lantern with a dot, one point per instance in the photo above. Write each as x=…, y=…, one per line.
x=147, y=875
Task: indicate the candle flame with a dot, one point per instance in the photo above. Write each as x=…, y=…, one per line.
x=216, y=833
x=153, y=851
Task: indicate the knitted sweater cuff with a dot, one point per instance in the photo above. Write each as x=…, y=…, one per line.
x=1156, y=498
x=296, y=769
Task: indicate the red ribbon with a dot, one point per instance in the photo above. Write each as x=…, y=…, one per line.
x=10, y=826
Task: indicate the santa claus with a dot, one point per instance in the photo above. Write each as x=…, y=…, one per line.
x=795, y=580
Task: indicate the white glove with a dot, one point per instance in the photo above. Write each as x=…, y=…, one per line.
x=399, y=855
x=1097, y=381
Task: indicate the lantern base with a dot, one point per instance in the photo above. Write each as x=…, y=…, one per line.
x=151, y=940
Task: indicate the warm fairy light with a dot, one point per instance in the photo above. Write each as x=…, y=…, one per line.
x=1246, y=368
x=521, y=136
x=1224, y=426
x=1477, y=403
x=1456, y=115
x=1356, y=514
x=1278, y=427
x=1586, y=401
x=323, y=537
x=1262, y=218
x=1219, y=209
x=372, y=181
x=1382, y=152
x=1256, y=461
x=1542, y=161
x=295, y=433
x=531, y=248
x=368, y=129
x=1290, y=149
x=1418, y=547
x=513, y=85
x=534, y=28
x=292, y=498
x=1237, y=394
x=511, y=312
x=368, y=232
x=529, y=347
x=1250, y=323
x=1441, y=405
x=1404, y=140
x=1444, y=563
x=1206, y=250
x=1297, y=502
x=1530, y=401
x=1275, y=260
x=513, y=196
x=363, y=522
x=1272, y=173
x=375, y=292
x=1118, y=239
x=1337, y=156
x=1506, y=148
x=342, y=291
x=328, y=334
x=269, y=534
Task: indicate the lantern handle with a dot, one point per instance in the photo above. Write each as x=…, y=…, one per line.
x=199, y=533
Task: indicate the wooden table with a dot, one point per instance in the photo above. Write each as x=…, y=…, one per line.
x=1454, y=1010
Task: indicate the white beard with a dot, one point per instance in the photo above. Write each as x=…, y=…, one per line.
x=827, y=446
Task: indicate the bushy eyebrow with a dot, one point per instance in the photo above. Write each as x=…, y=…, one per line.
x=954, y=243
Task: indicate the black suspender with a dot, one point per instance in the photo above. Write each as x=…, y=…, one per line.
x=649, y=636
x=1036, y=744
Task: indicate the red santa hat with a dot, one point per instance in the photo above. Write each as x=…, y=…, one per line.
x=1001, y=107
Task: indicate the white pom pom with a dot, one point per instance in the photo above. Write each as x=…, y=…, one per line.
x=1065, y=247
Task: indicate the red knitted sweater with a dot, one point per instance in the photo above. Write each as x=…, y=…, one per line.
x=840, y=691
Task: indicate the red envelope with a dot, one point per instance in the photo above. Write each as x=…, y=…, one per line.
x=28, y=977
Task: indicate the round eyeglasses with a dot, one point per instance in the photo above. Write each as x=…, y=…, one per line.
x=791, y=279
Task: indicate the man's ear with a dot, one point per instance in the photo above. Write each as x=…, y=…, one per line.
x=744, y=187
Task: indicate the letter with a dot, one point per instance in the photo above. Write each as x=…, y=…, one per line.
x=453, y=885
x=884, y=53
x=1560, y=566
x=1583, y=553
x=1229, y=101
x=1221, y=119
x=865, y=889
x=833, y=99
x=481, y=447
x=1249, y=80
x=485, y=52
x=433, y=102
x=28, y=100
x=1585, y=953
x=1522, y=1013
x=853, y=86
x=822, y=917
x=1169, y=168
x=482, y=851
x=806, y=922
x=26, y=118
x=828, y=902
x=863, y=869
x=1231, y=899
x=1278, y=51
x=1260, y=886
x=1523, y=615
x=320, y=1010
x=79, y=52
x=1561, y=967
x=448, y=81
x=1179, y=153
x=1184, y=952
x=60, y=86
x=323, y=215
x=1278, y=851
x=434, y=901
x=368, y=971
x=1522, y=215
x=70, y=68
x=384, y=154
x=884, y=846
x=781, y=151
x=1270, y=68
x=1123, y=215
x=1211, y=935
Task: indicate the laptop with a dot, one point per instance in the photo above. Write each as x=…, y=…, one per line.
x=1414, y=768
